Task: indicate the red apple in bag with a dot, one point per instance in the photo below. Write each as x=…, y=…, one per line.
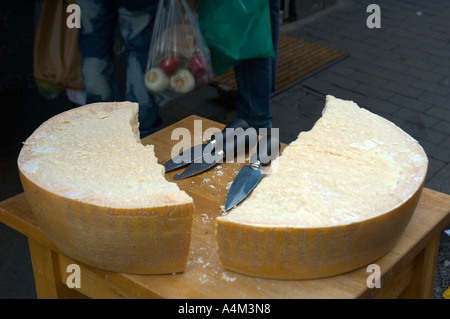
x=198, y=65
x=170, y=64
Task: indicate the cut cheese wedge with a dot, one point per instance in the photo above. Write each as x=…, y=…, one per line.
x=101, y=196
x=337, y=199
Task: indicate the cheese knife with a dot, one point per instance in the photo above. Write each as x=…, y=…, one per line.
x=233, y=138
x=195, y=153
x=268, y=148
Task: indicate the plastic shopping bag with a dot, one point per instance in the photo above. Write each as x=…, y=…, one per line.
x=236, y=30
x=56, y=57
x=179, y=60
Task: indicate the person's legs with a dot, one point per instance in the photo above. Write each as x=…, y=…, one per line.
x=136, y=20
x=96, y=36
x=253, y=77
x=256, y=81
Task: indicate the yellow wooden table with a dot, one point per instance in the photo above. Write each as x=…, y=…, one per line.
x=408, y=270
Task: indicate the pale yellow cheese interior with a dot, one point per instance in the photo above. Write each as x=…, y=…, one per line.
x=351, y=166
x=93, y=154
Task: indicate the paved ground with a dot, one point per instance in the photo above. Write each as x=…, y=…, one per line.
x=400, y=71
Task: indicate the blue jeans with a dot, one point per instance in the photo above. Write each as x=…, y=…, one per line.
x=255, y=80
x=134, y=19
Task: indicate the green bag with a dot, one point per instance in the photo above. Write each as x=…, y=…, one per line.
x=235, y=30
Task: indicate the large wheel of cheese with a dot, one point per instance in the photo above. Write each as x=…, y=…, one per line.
x=101, y=196
x=339, y=198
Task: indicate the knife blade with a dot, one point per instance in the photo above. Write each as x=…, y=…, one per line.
x=250, y=175
x=195, y=153
x=235, y=139
x=180, y=160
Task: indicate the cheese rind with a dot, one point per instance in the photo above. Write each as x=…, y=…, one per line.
x=353, y=179
x=101, y=196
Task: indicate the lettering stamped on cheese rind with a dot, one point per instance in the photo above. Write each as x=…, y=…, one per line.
x=170, y=212
x=133, y=213
x=178, y=212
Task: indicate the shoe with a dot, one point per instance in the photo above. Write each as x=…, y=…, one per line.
x=227, y=93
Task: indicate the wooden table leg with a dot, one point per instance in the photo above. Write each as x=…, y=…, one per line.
x=422, y=284
x=46, y=274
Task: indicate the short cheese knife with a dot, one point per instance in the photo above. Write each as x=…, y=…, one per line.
x=250, y=175
x=235, y=139
x=195, y=153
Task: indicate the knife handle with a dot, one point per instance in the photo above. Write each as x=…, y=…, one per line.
x=233, y=124
x=235, y=139
x=230, y=131
x=240, y=140
x=267, y=149
x=238, y=123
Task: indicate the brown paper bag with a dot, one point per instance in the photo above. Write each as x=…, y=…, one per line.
x=56, y=57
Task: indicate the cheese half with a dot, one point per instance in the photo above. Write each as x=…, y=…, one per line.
x=332, y=197
x=101, y=196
